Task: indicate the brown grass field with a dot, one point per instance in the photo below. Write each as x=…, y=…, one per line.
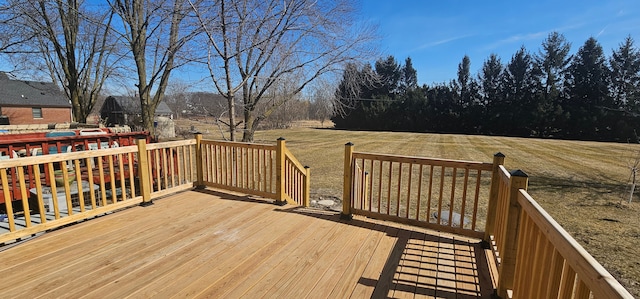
x=583, y=185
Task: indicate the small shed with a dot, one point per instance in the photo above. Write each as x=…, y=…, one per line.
x=124, y=110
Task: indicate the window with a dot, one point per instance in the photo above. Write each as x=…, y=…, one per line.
x=37, y=112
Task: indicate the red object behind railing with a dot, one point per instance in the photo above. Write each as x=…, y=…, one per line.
x=33, y=144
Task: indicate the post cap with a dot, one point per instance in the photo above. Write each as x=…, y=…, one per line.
x=499, y=154
x=281, y=138
x=349, y=143
x=519, y=173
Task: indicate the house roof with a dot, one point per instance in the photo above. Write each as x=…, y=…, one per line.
x=131, y=105
x=30, y=93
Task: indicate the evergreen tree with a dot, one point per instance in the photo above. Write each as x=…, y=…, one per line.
x=444, y=109
x=625, y=76
x=625, y=89
x=550, y=94
x=409, y=79
x=588, y=102
x=464, y=81
x=353, y=88
x=520, y=86
x=389, y=73
x=552, y=61
x=490, y=79
x=464, y=105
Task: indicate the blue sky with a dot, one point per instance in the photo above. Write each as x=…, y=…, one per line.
x=437, y=34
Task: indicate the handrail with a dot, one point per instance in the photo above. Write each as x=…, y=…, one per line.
x=560, y=265
x=37, y=144
x=270, y=171
x=86, y=188
x=447, y=195
x=171, y=166
x=534, y=256
x=497, y=234
x=297, y=180
x=240, y=167
x=105, y=180
x=425, y=161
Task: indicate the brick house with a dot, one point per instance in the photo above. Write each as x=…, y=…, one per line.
x=30, y=102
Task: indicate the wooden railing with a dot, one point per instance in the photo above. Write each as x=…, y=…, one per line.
x=447, y=195
x=95, y=182
x=14, y=146
x=172, y=166
x=270, y=171
x=534, y=255
x=551, y=264
x=296, y=177
x=90, y=183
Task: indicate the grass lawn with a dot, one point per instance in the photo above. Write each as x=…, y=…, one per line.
x=583, y=185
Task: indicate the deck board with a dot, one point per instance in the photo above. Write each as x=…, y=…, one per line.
x=263, y=278
x=216, y=245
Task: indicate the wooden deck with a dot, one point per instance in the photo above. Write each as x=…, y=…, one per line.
x=216, y=245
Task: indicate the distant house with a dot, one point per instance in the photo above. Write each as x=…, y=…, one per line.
x=122, y=110
x=29, y=102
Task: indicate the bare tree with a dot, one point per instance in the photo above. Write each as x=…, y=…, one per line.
x=155, y=32
x=14, y=36
x=322, y=101
x=177, y=97
x=282, y=105
x=255, y=43
x=74, y=44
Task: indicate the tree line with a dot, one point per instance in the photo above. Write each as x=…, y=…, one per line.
x=549, y=94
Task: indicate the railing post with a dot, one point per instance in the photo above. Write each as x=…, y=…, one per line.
x=307, y=186
x=498, y=159
x=347, y=182
x=518, y=181
x=280, y=172
x=199, y=166
x=143, y=172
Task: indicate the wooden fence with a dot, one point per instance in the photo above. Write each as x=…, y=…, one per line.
x=535, y=257
x=95, y=182
x=270, y=171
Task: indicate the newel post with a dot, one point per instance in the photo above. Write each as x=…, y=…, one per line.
x=199, y=166
x=519, y=180
x=280, y=172
x=307, y=186
x=498, y=159
x=143, y=172
x=347, y=182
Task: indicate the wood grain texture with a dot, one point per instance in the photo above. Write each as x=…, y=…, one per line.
x=216, y=245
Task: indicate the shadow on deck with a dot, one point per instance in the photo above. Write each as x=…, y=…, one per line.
x=210, y=244
x=421, y=262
